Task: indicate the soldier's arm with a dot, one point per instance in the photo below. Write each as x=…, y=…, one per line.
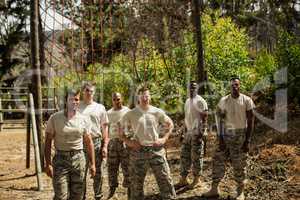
x=105, y=139
x=48, y=144
x=168, y=127
x=221, y=115
x=132, y=143
x=203, y=117
x=250, y=124
x=87, y=139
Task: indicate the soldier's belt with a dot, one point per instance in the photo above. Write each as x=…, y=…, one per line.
x=234, y=131
x=68, y=153
x=150, y=148
x=97, y=141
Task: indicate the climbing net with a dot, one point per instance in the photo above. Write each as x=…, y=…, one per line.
x=141, y=39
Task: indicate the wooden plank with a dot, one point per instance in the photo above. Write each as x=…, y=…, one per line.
x=1, y=116
x=22, y=88
x=20, y=110
x=23, y=100
x=14, y=121
x=14, y=94
x=36, y=145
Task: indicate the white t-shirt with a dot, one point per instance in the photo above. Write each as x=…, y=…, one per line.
x=145, y=124
x=235, y=110
x=114, y=116
x=97, y=114
x=192, y=109
x=68, y=134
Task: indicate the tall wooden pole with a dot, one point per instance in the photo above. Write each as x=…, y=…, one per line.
x=38, y=169
x=35, y=64
x=198, y=36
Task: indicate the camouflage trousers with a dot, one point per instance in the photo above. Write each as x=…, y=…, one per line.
x=117, y=155
x=98, y=179
x=68, y=175
x=191, y=156
x=233, y=152
x=140, y=160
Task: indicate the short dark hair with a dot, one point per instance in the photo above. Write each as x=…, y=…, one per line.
x=235, y=78
x=193, y=82
x=70, y=92
x=143, y=89
x=87, y=84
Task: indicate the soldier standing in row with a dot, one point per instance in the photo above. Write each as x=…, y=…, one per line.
x=117, y=151
x=147, y=146
x=99, y=131
x=236, y=124
x=69, y=130
x=192, y=150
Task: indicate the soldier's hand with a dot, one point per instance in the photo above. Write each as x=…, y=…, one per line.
x=104, y=152
x=136, y=145
x=222, y=145
x=159, y=142
x=93, y=170
x=49, y=170
x=246, y=146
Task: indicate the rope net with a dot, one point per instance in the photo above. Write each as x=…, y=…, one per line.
x=121, y=42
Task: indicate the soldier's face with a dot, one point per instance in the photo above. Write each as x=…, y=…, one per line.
x=117, y=100
x=193, y=90
x=235, y=86
x=145, y=98
x=73, y=102
x=88, y=93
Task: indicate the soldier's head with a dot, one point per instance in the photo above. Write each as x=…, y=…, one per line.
x=88, y=90
x=193, y=88
x=235, y=84
x=117, y=100
x=144, y=96
x=72, y=99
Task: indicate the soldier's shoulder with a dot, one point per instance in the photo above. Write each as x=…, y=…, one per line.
x=110, y=110
x=56, y=115
x=244, y=96
x=224, y=98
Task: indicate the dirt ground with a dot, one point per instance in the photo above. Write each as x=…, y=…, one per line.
x=273, y=172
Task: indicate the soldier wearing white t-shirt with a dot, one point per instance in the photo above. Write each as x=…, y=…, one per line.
x=117, y=151
x=147, y=146
x=192, y=150
x=99, y=130
x=236, y=124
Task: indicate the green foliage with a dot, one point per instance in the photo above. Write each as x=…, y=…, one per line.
x=13, y=16
x=288, y=55
x=225, y=48
x=168, y=73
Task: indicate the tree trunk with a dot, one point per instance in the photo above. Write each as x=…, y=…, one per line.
x=198, y=36
x=35, y=62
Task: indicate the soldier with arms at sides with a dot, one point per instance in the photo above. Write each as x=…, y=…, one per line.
x=117, y=151
x=192, y=150
x=99, y=130
x=236, y=124
x=70, y=130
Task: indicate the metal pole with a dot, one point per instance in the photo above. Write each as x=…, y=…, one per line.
x=35, y=62
x=35, y=144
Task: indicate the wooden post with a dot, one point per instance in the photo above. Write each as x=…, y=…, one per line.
x=28, y=127
x=36, y=145
x=35, y=62
x=1, y=116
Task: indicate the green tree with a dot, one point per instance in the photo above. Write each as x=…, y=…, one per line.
x=13, y=15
